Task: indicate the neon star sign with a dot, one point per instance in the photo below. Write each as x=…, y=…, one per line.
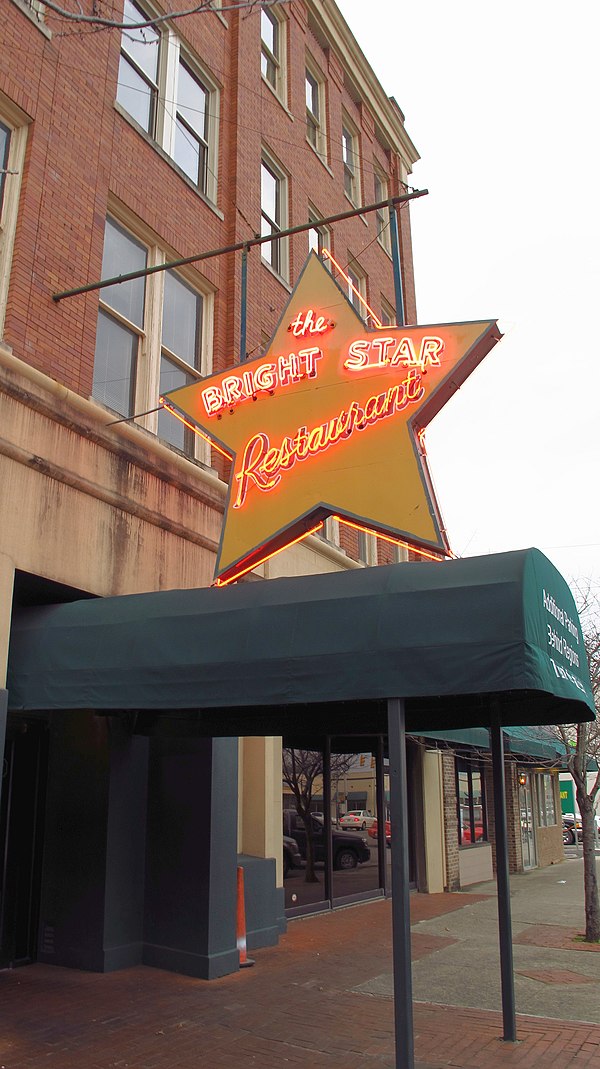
x=329, y=421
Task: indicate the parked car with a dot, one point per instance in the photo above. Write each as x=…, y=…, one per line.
x=466, y=833
x=357, y=818
x=572, y=826
x=388, y=831
x=348, y=850
x=292, y=858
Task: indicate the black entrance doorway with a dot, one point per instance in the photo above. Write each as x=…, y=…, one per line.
x=24, y=774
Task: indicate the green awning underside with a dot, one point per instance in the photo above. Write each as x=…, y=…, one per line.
x=461, y=641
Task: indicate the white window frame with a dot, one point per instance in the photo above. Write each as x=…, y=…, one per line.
x=358, y=277
x=282, y=269
x=351, y=161
x=382, y=215
x=367, y=548
x=388, y=313
x=545, y=781
x=146, y=381
x=316, y=123
x=278, y=84
x=330, y=531
x=16, y=122
x=172, y=52
x=323, y=234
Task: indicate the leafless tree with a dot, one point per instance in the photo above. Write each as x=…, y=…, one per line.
x=76, y=15
x=301, y=769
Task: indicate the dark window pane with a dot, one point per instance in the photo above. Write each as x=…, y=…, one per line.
x=114, y=365
x=182, y=320
x=123, y=254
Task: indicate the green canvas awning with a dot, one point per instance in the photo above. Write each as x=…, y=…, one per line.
x=452, y=638
x=533, y=742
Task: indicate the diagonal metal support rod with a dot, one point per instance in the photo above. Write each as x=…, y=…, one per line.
x=239, y=245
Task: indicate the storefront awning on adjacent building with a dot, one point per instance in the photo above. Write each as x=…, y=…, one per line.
x=451, y=638
x=531, y=742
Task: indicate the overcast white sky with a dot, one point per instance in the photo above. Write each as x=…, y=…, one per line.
x=502, y=102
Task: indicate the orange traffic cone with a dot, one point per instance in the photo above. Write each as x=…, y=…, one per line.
x=245, y=961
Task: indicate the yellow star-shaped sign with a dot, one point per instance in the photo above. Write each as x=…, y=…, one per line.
x=327, y=421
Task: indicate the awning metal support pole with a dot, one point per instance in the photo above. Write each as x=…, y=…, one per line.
x=504, y=919
x=403, y=1013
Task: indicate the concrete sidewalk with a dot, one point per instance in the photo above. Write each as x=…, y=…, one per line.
x=322, y=998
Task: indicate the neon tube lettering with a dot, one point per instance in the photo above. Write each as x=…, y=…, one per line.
x=262, y=464
x=380, y=352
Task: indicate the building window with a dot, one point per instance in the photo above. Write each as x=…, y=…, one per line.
x=191, y=127
x=330, y=531
x=315, y=111
x=388, y=314
x=273, y=215
x=173, y=102
x=546, y=802
x=272, y=49
x=4, y=151
x=137, y=89
x=152, y=337
x=382, y=215
x=367, y=548
x=470, y=794
x=319, y=236
x=357, y=287
x=350, y=158
x=13, y=139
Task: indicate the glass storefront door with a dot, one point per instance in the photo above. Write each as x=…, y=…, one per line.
x=527, y=827
x=336, y=819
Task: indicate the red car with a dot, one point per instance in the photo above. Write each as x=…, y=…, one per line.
x=388, y=831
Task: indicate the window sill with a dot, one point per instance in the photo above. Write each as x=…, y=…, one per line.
x=33, y=17
x=279, y=99
x=165, y=156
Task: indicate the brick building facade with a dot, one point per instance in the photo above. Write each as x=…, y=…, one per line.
x=123, y=149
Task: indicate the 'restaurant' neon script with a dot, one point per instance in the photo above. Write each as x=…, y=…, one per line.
x=263, y=464
x=289, y=369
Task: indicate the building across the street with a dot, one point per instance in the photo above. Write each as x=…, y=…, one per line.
x=124, y=148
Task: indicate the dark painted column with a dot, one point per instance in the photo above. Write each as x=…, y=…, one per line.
x=3, y=708
x=191, y=857
x=405, y=1054
x=503, y=882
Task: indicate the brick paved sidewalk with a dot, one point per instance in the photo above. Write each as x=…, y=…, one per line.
x=296, y=1007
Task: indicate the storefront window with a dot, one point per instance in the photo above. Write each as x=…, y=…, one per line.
x=470, y=793
x=544, y=782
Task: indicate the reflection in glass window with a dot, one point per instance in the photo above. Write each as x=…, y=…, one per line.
x=117, y=339
x=4, y=150
x=350, y=160
x=181, y=342
x=271, y=214
x=544, y=784
x=270, y=52
x=191, y=134
x=382, y=215
x=137, y=88
x=470, y=798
